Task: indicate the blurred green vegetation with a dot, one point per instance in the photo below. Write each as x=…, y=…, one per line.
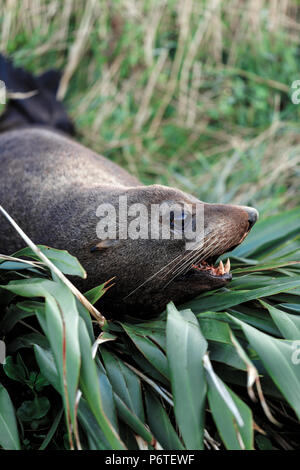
x=194, y=94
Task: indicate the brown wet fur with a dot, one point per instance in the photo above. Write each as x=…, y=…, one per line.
x=52, y=186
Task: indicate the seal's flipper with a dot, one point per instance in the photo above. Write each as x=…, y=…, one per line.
x=40, y=109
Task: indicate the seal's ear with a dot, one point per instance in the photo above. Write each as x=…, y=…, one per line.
x=104, y=244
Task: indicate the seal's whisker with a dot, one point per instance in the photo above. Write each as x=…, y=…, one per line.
x=180, y=267
x=185, y=258
x=179, y=272
x=200, y=256
x=152, y=276
x=160, y=270
x=206, y=255
x=192, y=259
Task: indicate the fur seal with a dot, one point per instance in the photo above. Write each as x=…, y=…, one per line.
x=52, y=186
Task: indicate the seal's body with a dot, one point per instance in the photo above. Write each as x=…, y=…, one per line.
x=52, y=186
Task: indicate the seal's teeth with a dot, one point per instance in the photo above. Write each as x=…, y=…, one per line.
x=227, y=266
x=221, y=268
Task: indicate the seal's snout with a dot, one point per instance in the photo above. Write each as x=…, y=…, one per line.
x=252, y=215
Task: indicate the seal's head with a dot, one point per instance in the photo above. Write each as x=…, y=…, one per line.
x=164, y=249
x=153, y=257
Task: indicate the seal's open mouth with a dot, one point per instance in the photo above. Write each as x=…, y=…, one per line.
x=208, y=269
x=217, y=271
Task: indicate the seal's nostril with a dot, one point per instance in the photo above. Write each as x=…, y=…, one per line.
x=252, y=216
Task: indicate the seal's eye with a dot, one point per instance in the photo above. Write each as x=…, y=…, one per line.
x=178, y=219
